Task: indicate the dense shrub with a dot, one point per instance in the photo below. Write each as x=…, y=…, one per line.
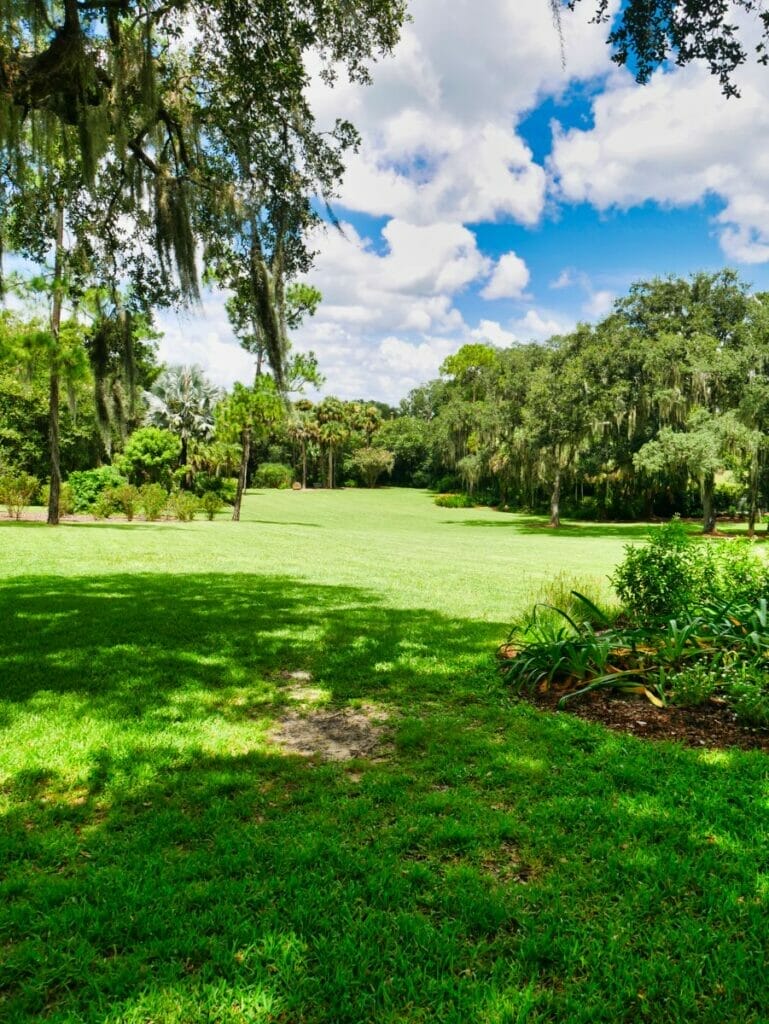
x=17, y=489
x=149, y=455
x=105, y=504
x=225, y=486
x=87, y=485
x=211, y=503
x=126, y=499
x=273, y=474
x=674, y=575
x=454, y=500
x=153, y=499
x=183, y=506
x=448, y=484
x=748, y=693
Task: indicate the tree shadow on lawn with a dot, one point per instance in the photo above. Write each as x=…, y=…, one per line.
x=127, y=643
x=151, y=879
x=539, y=525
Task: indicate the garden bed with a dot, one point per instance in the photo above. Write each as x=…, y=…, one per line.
x=710, y=725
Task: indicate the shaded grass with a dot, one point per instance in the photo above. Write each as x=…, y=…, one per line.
x=161, y=861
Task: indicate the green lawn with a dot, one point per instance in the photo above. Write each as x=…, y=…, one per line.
x=161, y=861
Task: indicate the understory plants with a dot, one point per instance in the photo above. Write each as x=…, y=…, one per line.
x=693, y=625
x=17, y=489
x=273, y=474
x=454, y=501
x=86, y=485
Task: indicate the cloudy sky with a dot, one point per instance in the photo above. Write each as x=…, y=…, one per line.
x=500, y=195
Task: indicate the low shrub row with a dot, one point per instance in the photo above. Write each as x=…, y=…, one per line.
x=154, y=501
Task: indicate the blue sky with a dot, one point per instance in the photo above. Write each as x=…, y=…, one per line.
x=501, y=196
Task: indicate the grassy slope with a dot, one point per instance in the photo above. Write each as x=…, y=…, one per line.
x=161, y=862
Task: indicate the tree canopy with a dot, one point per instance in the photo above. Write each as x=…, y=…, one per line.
x=646, y=33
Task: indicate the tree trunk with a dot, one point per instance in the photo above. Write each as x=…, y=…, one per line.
x=243, y=474
x=707, y=489
x=54, y=491
x=555, y=501
x=304, y=465
x=753, y=496
x=331, y=468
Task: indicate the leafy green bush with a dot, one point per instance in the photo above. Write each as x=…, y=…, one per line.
x=448, y=484
x=747, y=693
x=674, y=575
x=273, y=474
x=105, y=504
x=153, y=499
x=87, y=485
x=17, y=489
x=225, y=486
x=126, y=499
x=454, y=501
x=150, y=454
x=183, y=506
x=211, y=503
x=66, y=498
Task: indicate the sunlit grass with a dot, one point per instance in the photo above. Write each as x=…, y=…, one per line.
x=163, y=861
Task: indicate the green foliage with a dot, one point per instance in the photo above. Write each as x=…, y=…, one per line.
x=371, y=463
x=153, y=499
x=183, y=506
x=126, y=499
x=66, y=498
x=454, y=501
x=694, y=684
x=273, y=474
x=448, y=484
x=225, y=486
x=150, y=454
x=674, y=575
x=17, y=489
x=748, y=693
x=210, y=504
x=105, y=504
x=86, y=485
x=182, y=400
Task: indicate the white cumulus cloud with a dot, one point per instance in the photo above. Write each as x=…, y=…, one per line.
x=509, y=279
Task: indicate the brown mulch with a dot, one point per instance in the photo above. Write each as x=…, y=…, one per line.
x=710, y=725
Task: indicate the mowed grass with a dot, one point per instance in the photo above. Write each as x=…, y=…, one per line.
x=161, y=860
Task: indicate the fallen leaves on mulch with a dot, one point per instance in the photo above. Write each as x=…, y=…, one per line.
x=711, y=725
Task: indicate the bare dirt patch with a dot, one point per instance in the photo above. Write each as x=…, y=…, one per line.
x=331, y=735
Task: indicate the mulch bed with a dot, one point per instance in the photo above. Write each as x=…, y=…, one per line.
x=710, y=725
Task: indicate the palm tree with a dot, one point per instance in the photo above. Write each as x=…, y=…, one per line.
x=304, y=429
x=333, y=430
x=183, y=400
